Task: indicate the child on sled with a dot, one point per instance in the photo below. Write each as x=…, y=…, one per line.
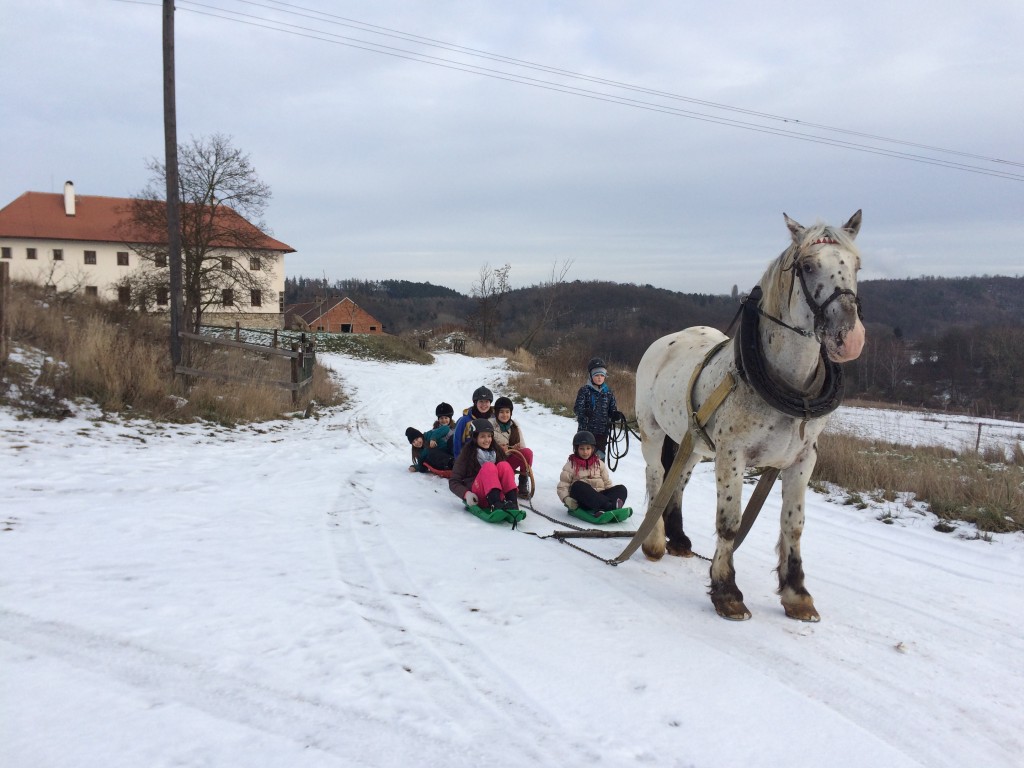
x=584, y=482
x=595, y=405
x=480, y=409
x=509, y=436
x=481, y=476
x=433, y=448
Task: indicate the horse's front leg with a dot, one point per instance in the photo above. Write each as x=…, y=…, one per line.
x=725, y=595
x=796, y=600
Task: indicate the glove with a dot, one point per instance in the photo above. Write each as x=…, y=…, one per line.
x=471, y=499
x=571, y=503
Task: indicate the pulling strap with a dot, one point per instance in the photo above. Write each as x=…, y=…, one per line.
x=675, y=471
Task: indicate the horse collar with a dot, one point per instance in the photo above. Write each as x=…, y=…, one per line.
x=752, y=367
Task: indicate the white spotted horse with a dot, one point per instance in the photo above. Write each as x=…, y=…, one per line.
x=779, y=379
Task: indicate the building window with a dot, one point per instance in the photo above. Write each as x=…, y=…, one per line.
x=319, y=327
x=122, y=258
x=5, y=252
x=30, y=253
x=256, y=298
x=227, y=297
x=254, y=263
x=124, y=294
x=162, y=297
x=58, y=254
x=373, y=327
x=226, y=263
x=160, y=260
x=280, y=303
x=90, y=257
x=345, y=327
x=90, y=290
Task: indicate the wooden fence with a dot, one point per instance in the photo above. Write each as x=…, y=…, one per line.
x=5, y=303
x=302, y=355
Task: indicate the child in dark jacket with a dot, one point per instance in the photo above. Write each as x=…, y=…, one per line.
x=433, y=447
x=509, y=435
x=595, y=405
x=585, y=481
x=481, y=476
x=480, y=409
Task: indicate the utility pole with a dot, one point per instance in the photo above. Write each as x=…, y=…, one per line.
x=171, y=168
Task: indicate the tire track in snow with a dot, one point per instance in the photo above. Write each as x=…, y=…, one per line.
x=455, y=680
x=190, y=681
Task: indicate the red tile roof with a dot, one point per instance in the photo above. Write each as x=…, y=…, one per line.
x=40, y=215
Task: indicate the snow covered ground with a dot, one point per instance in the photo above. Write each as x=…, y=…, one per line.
x=288, y=595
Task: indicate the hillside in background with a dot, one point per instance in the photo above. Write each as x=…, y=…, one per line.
x=911, y=308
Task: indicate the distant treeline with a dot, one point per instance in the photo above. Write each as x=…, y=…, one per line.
x=939, y=342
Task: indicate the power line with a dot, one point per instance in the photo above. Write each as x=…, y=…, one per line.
x=366, y=45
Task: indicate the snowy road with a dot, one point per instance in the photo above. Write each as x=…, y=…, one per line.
x=291, y=596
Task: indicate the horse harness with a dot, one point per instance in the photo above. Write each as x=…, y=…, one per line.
x=752, y=368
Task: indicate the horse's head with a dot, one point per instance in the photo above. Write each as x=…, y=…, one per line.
x=824, y=262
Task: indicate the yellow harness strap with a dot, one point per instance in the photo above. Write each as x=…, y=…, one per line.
x=698, y=421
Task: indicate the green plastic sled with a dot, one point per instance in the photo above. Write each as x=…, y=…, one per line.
x=497, y=515
x=602, y=518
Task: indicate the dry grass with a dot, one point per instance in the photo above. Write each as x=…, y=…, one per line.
x=549, y=380
x=121, y=360
x=976, y=489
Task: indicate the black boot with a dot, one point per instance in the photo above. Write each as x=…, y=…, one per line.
x=494, y=498
x=524, y=484
x=511, y=500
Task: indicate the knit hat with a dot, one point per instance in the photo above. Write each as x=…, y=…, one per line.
x=443, y=409
x=483, y=393
x=413, y=434
x=596, y=365
x=502, y=402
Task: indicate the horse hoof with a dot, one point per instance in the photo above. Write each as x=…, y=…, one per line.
x=653, y=554
x=679, y=551
x=802, y=612
x=733, y=610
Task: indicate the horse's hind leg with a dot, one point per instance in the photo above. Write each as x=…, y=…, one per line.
x=796, y=600
x=667, y=534
x=677, y=542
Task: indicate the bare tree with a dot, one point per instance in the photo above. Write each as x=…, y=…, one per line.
x=550, y=302
x=489, y=291
x=223, y=234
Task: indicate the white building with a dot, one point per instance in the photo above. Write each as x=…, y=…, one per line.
x=78, y=243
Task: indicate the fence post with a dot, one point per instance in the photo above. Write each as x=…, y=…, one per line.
x=295, y=375
x=977, y=443
x=274, y=343
x=238, y=331
x=5, y=299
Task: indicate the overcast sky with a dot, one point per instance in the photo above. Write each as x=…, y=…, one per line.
x=387, y=167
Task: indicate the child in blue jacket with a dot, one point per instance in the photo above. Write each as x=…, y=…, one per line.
x=595, y=406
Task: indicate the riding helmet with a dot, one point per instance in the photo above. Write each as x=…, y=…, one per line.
x=584, y=438
x=476, y=426
x=483, y=393
x=595, y=366
x=443, y=409
x=502, y=402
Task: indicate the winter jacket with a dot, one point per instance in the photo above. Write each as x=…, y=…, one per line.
x=508, y=434
x=592, y=471
x=466, y=468
x=594, y=408
x=442, y=435
x=461, y=431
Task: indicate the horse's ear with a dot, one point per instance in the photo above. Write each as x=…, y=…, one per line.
x=852, y=227
x=795, y=229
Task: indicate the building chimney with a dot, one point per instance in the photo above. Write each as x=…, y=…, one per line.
x=69, y=198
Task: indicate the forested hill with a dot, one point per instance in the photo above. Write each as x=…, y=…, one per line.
x=913, y=308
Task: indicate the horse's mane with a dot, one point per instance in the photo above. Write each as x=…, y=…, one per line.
x=774, y=286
